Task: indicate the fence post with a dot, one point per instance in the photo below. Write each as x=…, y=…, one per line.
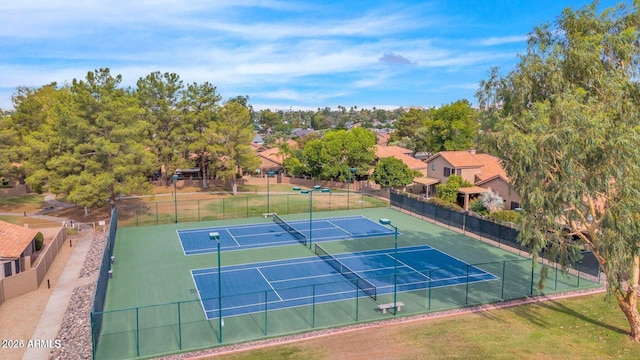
x=504, y=265
x=198, y=209
x=466, y=297
x=266, y=312
x=532, y=268
x=313, y=307
x=157, y=215
x=179, y=328
x=137, y=332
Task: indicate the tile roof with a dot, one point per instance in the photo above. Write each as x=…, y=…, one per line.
x=14, y=239
x=489, y=165
x=402, y=154
x=386, y=151
x=459, y=159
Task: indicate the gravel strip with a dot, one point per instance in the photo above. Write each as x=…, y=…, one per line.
x=94, y=256
x=75, y=331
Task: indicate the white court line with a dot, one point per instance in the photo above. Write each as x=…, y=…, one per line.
x=232, y=237
x=302, y=278
x=268, y=282
x=336, y=226
x=199, y=297
x=410, y=267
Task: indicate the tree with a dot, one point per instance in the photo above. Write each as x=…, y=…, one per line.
x=453, y=127
x=449, y=191
x=231, y=135
x=408, y=123
x=338, y=151
x=200, y=107
x=93, y=147
x=160, y=96
x=566, y=123
x=391, y=172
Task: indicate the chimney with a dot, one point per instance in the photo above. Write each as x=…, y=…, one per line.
x=472, y=151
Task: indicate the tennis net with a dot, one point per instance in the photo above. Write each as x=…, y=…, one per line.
x=364, y=285
x=295, y=233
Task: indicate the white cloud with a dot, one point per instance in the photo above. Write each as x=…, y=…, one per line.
x=503, y=40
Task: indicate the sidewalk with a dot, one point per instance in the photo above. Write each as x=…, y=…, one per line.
x=50, y=322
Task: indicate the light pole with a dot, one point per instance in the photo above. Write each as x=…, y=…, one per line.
x=175, y=197
x=395, y=263
x=269, y=174
x=351, y=170
x=310, y=193
x=214, y=236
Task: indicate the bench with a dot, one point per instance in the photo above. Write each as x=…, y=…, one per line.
x=385, y=307
x=46, y=208
x=266, y=215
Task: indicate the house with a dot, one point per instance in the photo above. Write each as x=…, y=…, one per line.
x=403, y=154
x=484, y=171
x=17, y=247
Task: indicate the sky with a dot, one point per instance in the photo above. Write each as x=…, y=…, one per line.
x=281, y=54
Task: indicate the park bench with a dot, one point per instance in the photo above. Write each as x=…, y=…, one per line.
x=385, y=307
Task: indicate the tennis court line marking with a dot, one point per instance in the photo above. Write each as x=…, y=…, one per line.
x=268, y=223
x=204, y=310
x=232, y=237
x=339, y=227
x=304, y=278
x=407, y=265
x=268, y=282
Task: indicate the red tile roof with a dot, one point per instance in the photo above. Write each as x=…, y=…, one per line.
x=402, y=154
x=489, y=165
x=14, y=239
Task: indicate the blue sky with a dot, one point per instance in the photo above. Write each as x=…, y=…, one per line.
x=282, y=54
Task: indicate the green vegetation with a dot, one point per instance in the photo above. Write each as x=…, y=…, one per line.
x=566, y=123
x=39, y=241
x=577, y=328
x=390, y=172
x=449, y=127
x=449, y=192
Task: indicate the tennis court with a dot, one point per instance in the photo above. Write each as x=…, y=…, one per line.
x=273, y=286
x=326, y=278
x=276, y=233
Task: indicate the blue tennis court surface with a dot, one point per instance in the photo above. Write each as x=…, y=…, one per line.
x=303, y=281
x=196, y=241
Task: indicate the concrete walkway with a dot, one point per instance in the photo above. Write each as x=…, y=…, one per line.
x=53, y=314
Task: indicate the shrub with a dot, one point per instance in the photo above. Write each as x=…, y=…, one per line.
x=445, y=204
x=39, y=241
x=506, y=215
x=478, y=207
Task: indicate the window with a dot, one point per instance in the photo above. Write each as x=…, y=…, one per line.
x=459, y=172
x=433, y=167
x=447, y=172
x=7, y=269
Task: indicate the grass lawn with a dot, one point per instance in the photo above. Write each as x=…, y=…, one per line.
x=21, y=203
x=579, y=328
x=19, y=220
